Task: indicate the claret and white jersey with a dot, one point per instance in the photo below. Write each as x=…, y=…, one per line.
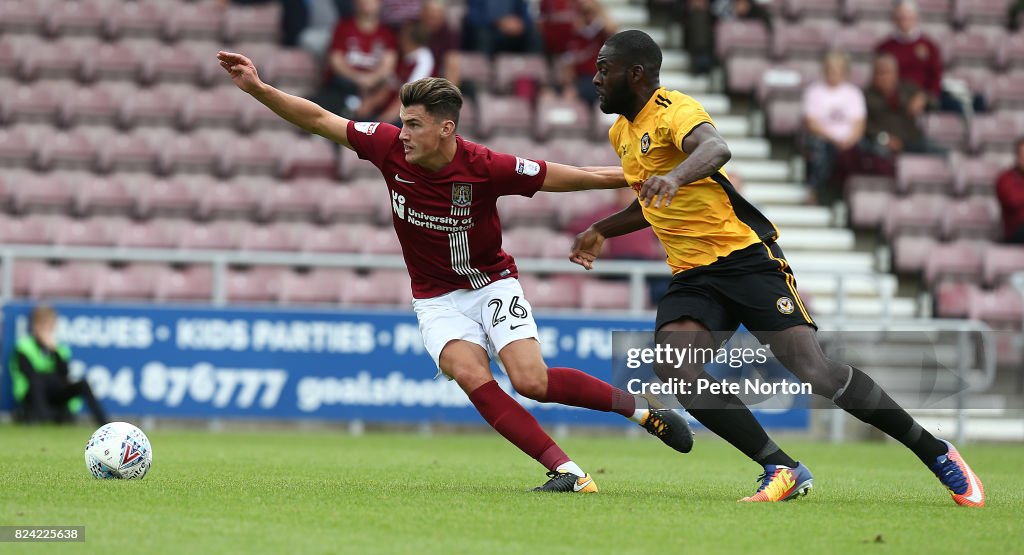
x=447, y=221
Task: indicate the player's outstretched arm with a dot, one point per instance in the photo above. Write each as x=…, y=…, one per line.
x=298, y=111
x=561, y=178
x=587, y=246
x=708, y=152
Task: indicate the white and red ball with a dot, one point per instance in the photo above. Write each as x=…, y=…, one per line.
x=119, y=451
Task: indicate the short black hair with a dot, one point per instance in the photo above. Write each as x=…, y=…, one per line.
x=637, y=47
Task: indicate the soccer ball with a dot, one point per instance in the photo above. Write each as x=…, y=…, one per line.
x=118, y=451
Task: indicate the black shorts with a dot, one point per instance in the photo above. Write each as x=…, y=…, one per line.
x=753, y=286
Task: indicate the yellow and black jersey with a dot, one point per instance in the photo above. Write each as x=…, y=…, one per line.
x=707, y=219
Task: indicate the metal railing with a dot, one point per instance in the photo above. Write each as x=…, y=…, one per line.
x=636, y=271
x=964, y=330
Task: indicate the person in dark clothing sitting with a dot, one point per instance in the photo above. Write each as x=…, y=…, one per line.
x=39, y=374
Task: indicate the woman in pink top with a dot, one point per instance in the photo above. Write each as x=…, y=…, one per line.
x=834, y=115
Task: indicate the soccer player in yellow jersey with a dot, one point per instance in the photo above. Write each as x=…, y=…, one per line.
x=728, y=270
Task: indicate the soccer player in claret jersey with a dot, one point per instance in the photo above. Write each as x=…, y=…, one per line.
x=443, y=192
x=727, y=269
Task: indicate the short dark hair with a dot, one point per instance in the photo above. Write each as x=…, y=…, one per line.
x=438, y=96
x=637, y=47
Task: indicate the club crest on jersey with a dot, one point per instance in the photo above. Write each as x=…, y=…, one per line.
x=462, y=194
x=366, y=127
x=527, y=167
x=645, y=143
x=784, y=305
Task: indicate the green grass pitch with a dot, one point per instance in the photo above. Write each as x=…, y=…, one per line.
x=328, y=492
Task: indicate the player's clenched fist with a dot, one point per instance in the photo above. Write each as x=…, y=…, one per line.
x=658, y=189
x=241, y=69
x=586, y=248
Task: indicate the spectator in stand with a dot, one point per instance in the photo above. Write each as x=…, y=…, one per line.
x=894, y=111
x=294, y=16
x=1014, y=18
x=699, y=20
x=919, y=58
x=443, y=41
x=361, y=59
x=557, y=24
x=1010, y=190
x=699, y=35
x=742, y=9
x=495, y=26
x=415, y=62
x=323, y=17
x=43, y=390
x=591, y=28
x=834, y=119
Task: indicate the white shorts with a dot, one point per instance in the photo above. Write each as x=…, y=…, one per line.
x=491, y=317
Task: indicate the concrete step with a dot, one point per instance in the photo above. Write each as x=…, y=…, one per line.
x=685, y=82
x=751, y=169
x=861, y=307
x=627, y=16
x=657, y=33
x=713, y=103
x=804, y=239
x=902, y=358
x=853, y=286
x=750, y=147
x=998, y=406
x=798, y=216
x=804, y=262
x=674, y=60
x=732, y=126
x=980, y=429
x=763, y=194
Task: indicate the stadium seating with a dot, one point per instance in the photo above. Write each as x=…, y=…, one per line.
x=980, y=11
x=68, y=281
x=868, y=208
x=976, y=218
x=379, y=287
x=956, y=261
x=559, y=292
x=151, y=234
x=137, y=282
x=192, y=284
x=977, y=176
x=318, y=286
x=919, y=214
x=1001, y=307
x=118, y=128
x=604, y=295
x=1001, y=262
x=923, y=174
x=254, y=285
x=910, y=252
